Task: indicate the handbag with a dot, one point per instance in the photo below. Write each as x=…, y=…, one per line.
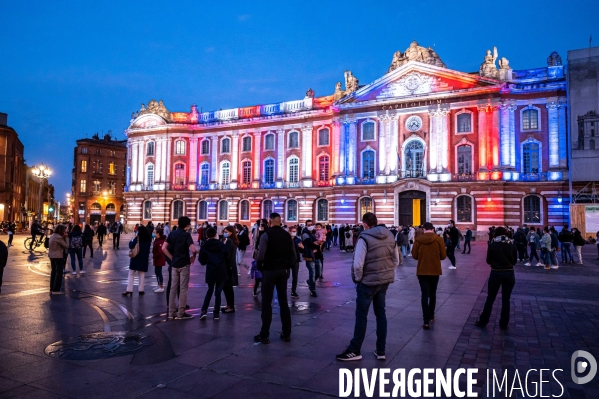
x=134, y=251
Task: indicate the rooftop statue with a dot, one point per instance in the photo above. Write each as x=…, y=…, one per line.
x=554, y=59
x=157, y=108
x=339, y=93
x=351, y=82
x=488, y=69
x=415, y=53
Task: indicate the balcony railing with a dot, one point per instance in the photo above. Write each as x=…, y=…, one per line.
x=179, y=187
x=291, y=184
x=322, y=183
x=244, y=186
x=418, y=174
x=542, y=176
x=366, y=180
x=202, y=187
x=268, y=185
x=463, y=177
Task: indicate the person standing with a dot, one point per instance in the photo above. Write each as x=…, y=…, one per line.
x=139, y=263
x=101, y=232
x=180, y=243
x=231, y=244
x=578, y=242
x=117, y=229
x=520, y=242
x=565, y=237
x=534, y=243
x=501, y=256
x=244, y=241
x=454, y=236
x=75, y=249
x=429, y=250
x=56, y=249
x=213, y=255
x=4, y=260
x=310, y=253
x=373, y=269
x=220, y=231
x=167, y=229
x=335, y=235
x=11, y=232
x=276, y=256
x=297, y=242
x=158, y=259
x=88, y=240
x=467, y=239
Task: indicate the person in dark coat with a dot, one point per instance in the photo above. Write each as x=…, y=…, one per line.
x=502, y=255
x=101, y=232
x=88, y=240
x=213, y=255
x=232, y=243
x=140, y=262
x=3, y=259
x=299, y=248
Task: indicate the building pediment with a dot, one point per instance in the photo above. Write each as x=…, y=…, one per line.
x=147, y=121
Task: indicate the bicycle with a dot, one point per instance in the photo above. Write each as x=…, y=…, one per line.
x=36, y=243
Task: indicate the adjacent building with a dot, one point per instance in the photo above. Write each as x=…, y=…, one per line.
x=12, y=174
x=422, y=142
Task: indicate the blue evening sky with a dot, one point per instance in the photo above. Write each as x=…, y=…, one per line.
x=73, y=68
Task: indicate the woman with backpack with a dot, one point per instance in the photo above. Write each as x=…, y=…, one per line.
x=88, y=240
x=75, y=249
x=140, y=259
x=231, y=243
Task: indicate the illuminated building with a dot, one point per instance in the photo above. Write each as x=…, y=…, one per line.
x=423, y=142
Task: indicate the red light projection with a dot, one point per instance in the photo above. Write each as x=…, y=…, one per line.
x=180, y=117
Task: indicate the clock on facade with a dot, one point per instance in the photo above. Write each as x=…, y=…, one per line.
x=414, y=123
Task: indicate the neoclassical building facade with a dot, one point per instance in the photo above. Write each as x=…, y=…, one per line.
x=423, y=142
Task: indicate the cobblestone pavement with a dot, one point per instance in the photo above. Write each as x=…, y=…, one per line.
x=108, y=346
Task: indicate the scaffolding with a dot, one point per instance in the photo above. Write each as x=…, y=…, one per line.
x=587, y=195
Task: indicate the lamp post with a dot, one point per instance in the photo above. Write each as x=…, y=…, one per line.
x=41, y=172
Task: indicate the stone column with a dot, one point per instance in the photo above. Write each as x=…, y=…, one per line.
x=392, y=161
x=353, y=147
x=433, y=148
x=307, y=156
x=214, y=161
x=158, y=164
x=563, y=134
x=384, y=121
x=141, y=159
x=280, y=157
x=513, y=143
x=257, y=151
x=482, y=138
x=505, y=135
x=134, y=154
x=343, y=134
x=166, y=159
x=443, y=130
x=553, y=130
x=336, y=133
x=193, y=160
x=234, y=160
x=494, y=137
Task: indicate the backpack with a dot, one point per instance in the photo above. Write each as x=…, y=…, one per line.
x=77, y=242
x=347, y=235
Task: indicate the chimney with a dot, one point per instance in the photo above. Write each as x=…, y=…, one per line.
x=3, y=119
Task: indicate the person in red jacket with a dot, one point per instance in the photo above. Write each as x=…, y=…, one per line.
x=158, y=258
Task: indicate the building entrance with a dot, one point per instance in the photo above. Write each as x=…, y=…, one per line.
x=411, y=208
x=95, y=218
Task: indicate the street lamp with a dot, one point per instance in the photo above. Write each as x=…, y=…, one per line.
x=41, y=172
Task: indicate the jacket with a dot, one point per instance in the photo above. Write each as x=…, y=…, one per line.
x=157, y=254
x=565, y=236
x=88, y=235
x=276, y=250
x=57, y=247
x=546, y=241
x=101, y=231
x=213, y=255
x=142, y=260
x=577, y=239
x=468, y=236
x=429, y=250
x=232, y=262
x=309, y=246
x=244, y=240
x=502, y=254
x=375, y=257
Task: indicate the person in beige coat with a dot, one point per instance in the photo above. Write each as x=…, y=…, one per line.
x=58, y=245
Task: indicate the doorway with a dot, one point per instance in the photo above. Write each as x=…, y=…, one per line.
x=411, y=208
x=95, y=218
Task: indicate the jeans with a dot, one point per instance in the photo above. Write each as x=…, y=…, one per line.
x=76, y=252
x=89, y=244
x=294, y=272
x=335, y=240
x=10, y=236
x=428, y=300
x=506, y=280
x=270, y=280
x=451, y=254
x=549, y=258
x=578, y=252
x=521, y=251
x=366, y=295
x=566, y=251
x=100, y=239
x=458, y=246
x=533, y=252
x=313, y=273
x=180, y=282
x=467, y=244
x=216, y=289
x=142, y=280
x=116, y=240
x=239, y=258
x=158, y=273
x=57, y=265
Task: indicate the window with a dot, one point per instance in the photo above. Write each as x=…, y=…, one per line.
x=202, y=210
x=225, y=173
x=110, y=208
x=84, y=150
x=149, y=148
x=179, y=174
x=97, y=167
x=246, y=167
x=177, y=209
x=269, y=171
x=322, y=210
x=83, y=186
x=244, y=210
x=180, y=147
x=323, y=137
x=532, y=209
x=293, y=140
x=269, y=142
x=147, y=210
x=413, y=156
x=464, y=160
x=111, y=168
x=96, y=207
x=97, y=185
x=205, y=150
x=323, y=168
x=246, y=144
x=365, y=206
x=530, y=158
x=225, y=145
x=150, y=175
x=293, y=173
x=204, y=174
x=266, y=209
x=112, y=187
x=292, y=210
x=223, y=210
x=83, y=166
x=464, y=122
x=98, y=152
x=464, y=209
x=530, y=119
x=112, y=153
x=592, y=144
x=368, y=164
x=367, y=131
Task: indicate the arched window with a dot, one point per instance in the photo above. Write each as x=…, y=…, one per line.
x=96, y=208
x=530, y=119
x=532, y=209
x=246, y=167
x=269, y=171
x=368, y=164
x=465, y=159
x=322, y=210
x=293, y=170
x=205, y=147
x=323, y=168
x=269, y=142
x=530, y=158
x=293, y=139
x=266, y=208
x=150, y=148
x=292, y=210
x=111, y=208
x=368, y=131
x=464, y=121
x=150, y=175
x=464, y=209
x=147, y=210
x=223, y=210
x=180, y=147
x=246, y=144
x=179, y=174
x=225, y=145
x=413, y=158
x=244, y=210
x=205, y=174
x=365, y=206
x=225, y=173
x=592, y=144
x=202, y=210
x=323, y=137
x=177, y=209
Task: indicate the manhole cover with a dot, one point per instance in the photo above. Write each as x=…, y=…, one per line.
x=99, y=346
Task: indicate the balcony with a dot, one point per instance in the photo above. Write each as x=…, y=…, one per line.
x=322, y=183
x=244, y=186
x=291, y=184
x=463, y=177
x=179, y=187
x=202, y=187
x=413, y=174
x=366, y=180
x=542, y=176
x=268, y=185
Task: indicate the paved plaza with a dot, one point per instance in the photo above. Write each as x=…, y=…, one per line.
x=94, y=343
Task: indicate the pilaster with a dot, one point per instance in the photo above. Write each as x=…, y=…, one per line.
x=234, y=159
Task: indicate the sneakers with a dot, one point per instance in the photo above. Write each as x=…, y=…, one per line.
x=540, y=264
x=379, y=356
x=262, y=339
x=74, y=273
x=294, y=295
x=185, y=316
x=203, y=315
x=159, y=290
x=286, y=337
x=82, y=272
x=527, y=264
x=554, y=266
x=547, y=267
x=216, y=316
x=348, y=355
x=452, y=267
